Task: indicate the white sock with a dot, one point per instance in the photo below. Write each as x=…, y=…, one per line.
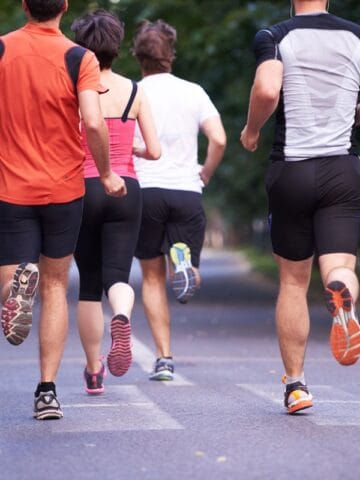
x=290, y=380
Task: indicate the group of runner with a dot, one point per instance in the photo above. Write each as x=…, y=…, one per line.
x=142, y=191
x=151, y=209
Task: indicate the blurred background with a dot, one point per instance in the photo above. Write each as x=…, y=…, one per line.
x=214, y=49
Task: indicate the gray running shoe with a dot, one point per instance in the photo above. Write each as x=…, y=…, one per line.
x=16, y=313
x=47, y=406
x=183, y=283
x=163, y=369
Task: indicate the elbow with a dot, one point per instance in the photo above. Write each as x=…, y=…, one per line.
x=268, y=94
x=93, y=124
x=154, y=154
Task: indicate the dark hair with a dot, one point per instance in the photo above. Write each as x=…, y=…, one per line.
x=154, y=46
x=43, y=10
x=101, y=32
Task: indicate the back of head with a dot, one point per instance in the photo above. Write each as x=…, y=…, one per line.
x=100, y=32
x=154, y=46
x=43, y=10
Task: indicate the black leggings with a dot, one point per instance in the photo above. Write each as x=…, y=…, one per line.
x=107, y=238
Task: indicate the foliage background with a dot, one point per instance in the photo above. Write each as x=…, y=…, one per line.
x=215, y=50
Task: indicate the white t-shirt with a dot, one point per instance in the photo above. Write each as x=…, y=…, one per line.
x=179, y=109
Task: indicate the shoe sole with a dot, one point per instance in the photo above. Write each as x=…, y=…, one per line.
x=164, y=377
x=304, y=404
x=16, y=313
x=183, y=282
x=345, y=330
x=48, y=415
x=120, y=357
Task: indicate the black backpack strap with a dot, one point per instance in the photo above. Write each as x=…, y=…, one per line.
x=130, y=102
x=73, y=58
x=2, y=48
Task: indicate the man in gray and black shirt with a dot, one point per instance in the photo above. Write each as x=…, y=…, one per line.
x=308, y=69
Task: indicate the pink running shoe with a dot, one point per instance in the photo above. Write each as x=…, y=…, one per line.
x=16, y=313
x=119, y=357
x=94, y=381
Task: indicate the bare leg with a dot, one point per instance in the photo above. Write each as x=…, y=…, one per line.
x=6, y=276
x=90, y=321
x=155, y=302
x=54, y=314
x=292, y=314
x=341, y=267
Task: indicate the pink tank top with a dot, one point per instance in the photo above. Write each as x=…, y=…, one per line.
x=121, y=137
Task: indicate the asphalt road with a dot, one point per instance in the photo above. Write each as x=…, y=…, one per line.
x=221, y=418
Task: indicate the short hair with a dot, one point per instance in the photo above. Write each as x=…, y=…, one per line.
x=101, y=32
x=43, y=10
x=154, y=46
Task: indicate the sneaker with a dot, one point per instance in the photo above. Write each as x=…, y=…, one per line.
x=94, y=381
x=47, y=406
x=183, y=282
x=119, y=357
x=163, y=369
x=16, y=313
x=345, y=330
x=297, y=397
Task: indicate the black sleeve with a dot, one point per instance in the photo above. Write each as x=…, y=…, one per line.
x=266, y=47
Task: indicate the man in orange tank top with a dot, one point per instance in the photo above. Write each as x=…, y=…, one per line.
x=45, y=79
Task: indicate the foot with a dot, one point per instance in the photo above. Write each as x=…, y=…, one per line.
x=297, y=397
x=94, y=381
x=47, y=406
x=16, y=313
x=163, y=369
x=345, y=330
x=119, y=357
x=183, y=282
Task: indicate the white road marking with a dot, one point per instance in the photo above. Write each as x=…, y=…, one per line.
x=144, y=357
x=129, y=409
x=335, y=413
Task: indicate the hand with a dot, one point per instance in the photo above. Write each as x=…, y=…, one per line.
x=249, y=140
x=205, y=178
x=114, y=185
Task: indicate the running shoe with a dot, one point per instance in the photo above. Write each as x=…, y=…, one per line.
x=94, y=381
x=297, y=397
x=183, y=282
x=163, y=369
x=119, y=357
x=345, y=330
x=16, y=313
x=47, y=406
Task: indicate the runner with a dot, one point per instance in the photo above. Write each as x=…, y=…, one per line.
x=45, y=79
x=173, y=220
x=110, y=227
x=309, y=70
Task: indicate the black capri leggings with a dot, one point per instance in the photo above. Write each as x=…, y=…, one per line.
x=107, y=238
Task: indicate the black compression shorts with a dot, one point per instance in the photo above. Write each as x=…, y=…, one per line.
x=27, y=231
x=314, y=206
x=171, y=216
x=107, y=238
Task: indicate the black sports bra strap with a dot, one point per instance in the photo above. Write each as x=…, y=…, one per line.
x=130, y=102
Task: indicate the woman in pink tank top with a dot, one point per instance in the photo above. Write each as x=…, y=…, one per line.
x=110, y=225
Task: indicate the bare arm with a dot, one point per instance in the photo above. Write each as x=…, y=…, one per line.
x=214, y=131
x=98, y=141
x=152, y=150
x=264, y=98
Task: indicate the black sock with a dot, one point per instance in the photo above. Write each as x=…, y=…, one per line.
x=45, y=387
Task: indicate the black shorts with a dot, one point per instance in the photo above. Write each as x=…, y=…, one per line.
x=171, y=216
x=26, y=231
x=107, y=238
x=314, y=206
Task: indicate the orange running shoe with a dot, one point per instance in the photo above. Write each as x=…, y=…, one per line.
x=345, y=330
x=297, y=397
